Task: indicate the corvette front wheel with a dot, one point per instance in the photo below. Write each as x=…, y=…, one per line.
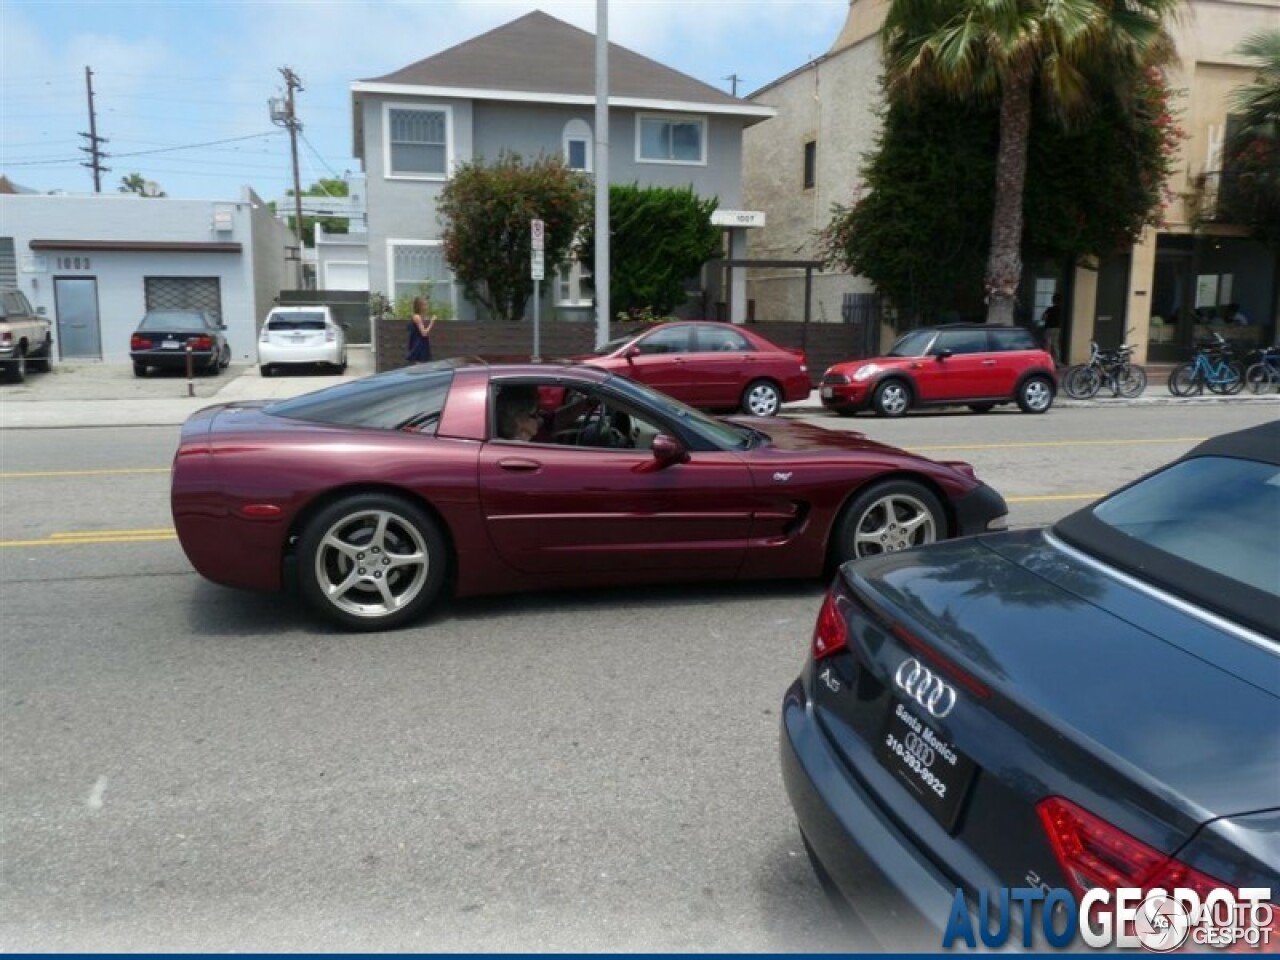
x=372, y=561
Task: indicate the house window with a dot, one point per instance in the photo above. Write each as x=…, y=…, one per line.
x=573, y=285
x=577, y=145
x=414, y=264
x=417, y=142
x=810, y=163
x=667, y=139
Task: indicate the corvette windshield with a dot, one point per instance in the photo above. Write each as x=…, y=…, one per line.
x=718, y=433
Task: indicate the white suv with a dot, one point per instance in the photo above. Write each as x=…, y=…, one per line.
x=301, y=335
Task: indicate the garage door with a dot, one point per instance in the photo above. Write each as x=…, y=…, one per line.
x=185, y=293
x=346, y=276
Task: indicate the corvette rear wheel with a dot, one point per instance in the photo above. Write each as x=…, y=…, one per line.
x=888, y=517
x=371, y=561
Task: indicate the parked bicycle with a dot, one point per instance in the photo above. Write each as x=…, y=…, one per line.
x=1213, y=366
x=1263, y=375
x=1110, y=368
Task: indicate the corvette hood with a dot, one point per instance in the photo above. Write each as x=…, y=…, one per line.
x=794, y=435
x=1187, y=706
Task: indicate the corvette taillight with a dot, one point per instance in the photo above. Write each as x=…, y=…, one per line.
x=139, y=343
x=830, y=633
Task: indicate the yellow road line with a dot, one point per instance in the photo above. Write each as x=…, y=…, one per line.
x=78, y=534
x=77, y=540
x=1050, y=497
x=80, y=473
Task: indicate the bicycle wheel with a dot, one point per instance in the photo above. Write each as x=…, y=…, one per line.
x=1258, y=378
x=1081, y=381
x=1130, y=380
x=1185, y=381
x=1227, y=379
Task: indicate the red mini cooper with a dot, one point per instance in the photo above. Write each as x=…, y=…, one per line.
x=955, y=364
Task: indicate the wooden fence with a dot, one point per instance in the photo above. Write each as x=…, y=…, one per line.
x=823, y=343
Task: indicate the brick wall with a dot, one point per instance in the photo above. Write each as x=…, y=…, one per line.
x=823, y=343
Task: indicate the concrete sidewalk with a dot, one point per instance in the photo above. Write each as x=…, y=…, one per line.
x=109, y=395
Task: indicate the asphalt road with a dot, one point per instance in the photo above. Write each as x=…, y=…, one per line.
x=185, y=767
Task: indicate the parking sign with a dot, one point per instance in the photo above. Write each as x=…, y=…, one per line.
x=536, y=232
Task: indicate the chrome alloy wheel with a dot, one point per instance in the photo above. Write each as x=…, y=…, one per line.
x=1037, y=395
x=893, y=522
x=763, y=399
x=372, y=563
x=893, y=398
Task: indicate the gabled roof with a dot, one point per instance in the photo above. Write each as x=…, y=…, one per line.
x=539, y=59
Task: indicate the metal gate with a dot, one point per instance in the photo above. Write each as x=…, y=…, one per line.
x=185, y=293
x=863, y=312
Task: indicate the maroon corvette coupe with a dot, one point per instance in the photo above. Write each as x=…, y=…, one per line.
x=375, y=493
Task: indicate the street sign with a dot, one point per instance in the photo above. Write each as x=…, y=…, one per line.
x=537, y=264
x=537, y=231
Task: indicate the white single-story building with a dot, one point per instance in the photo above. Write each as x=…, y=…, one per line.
x=97, y=262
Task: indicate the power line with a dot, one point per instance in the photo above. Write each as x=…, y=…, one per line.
x=141, y=153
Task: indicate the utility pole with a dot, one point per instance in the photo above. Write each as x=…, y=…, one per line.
x=601, y=275
x=734, y=78
x=96, y=155
x=288, y=117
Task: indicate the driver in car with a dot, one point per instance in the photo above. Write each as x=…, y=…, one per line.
x=518, y=417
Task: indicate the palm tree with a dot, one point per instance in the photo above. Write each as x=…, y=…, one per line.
x=1253, y=152
x=1014, y=50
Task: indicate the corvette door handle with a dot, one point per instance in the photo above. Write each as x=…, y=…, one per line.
x=518, y=464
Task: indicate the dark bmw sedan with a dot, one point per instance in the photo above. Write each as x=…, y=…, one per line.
x=1092, y=705
x=164, y=336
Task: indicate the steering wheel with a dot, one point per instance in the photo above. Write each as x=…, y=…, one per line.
x=600, y=430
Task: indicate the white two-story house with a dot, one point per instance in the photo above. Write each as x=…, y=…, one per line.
x=529, y=87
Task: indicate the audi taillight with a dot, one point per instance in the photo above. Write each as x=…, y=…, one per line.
x=6, y=337
x=830, y=633
x=265, y=335
x=139, y=343
x=200, y=343
x=1093, y=853
x=330, y=335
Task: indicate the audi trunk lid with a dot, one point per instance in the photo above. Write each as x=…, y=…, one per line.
x=1065, y=682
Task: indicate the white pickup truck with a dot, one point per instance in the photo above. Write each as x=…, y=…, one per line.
x=26, y=336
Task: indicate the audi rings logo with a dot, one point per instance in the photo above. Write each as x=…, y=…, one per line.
x=925, y=688
x=919, y=749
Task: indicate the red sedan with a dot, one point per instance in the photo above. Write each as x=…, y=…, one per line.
x=715, y=366
x=376, y=493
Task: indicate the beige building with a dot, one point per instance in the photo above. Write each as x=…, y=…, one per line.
x=1169, y=289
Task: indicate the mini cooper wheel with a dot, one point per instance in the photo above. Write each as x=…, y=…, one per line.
x=762, y=398
x=892, y=398
x=371, y=561
x=888, y=517
x=1035, y=395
